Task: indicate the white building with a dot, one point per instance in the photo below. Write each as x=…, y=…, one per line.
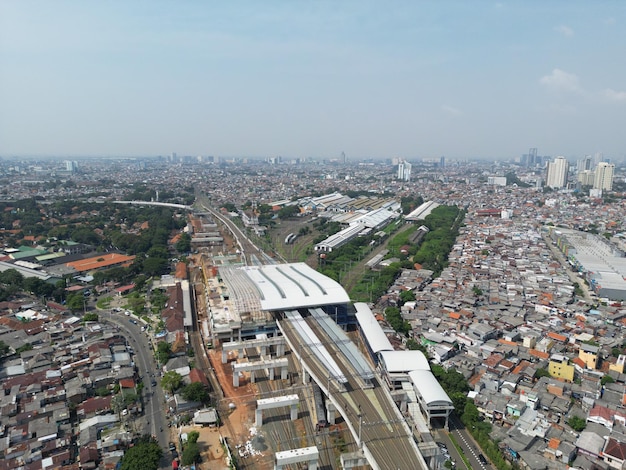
x=604, y=176
x=404, y=171
x=556, y=176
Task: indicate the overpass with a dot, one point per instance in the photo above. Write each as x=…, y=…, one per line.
x=155, y=203
x=369, y=411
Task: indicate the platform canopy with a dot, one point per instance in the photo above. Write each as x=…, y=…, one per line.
x=293, y=286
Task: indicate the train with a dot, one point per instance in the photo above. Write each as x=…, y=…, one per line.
x=289, y=239
x=320, y=407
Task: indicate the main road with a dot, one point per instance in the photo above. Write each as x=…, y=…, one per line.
x=154, y=421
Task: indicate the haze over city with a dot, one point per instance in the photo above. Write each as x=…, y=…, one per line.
x=409, y=79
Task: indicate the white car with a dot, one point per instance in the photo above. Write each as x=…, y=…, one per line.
x=127, y=313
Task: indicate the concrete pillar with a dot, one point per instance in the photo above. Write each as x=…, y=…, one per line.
x=224, y=356
x=283, y=373
x=305, y=376
x=263, y=350
x=235, y=378
x=258, y=414
x=313, y=464
x=294, y=412
x=403, y=406
x=252, y=377
x=280, y=350
x=271, y=373
x=331, y=412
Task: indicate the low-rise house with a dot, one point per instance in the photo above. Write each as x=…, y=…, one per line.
x=614, y=453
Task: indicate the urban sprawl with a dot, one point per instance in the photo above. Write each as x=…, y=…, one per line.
x=211, y=313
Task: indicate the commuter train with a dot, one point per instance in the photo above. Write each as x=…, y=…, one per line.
x=320, y=408
x=290, y=238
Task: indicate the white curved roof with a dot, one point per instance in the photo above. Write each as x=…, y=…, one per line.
x=404, y=361
x=427, y=386
x=294, y=285
x=374, y=334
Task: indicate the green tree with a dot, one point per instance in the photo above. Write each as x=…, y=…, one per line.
x=4, y=349
x=191, y=453
x=155, y=266
x=607, y=379
x=183, y=245
x=577, y=423
x=171, y=381
x=195, y=391
x=407, y=296
x=144, y=455
x=90, y=317
x=163, y=352
x=75, y=302
x=193, y=436
x=541, y=373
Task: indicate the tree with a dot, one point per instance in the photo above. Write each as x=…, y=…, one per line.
x=163, y=352
x=183, y=245
x=577, y=423
x=607, y=379
x=190, y=453
x=90, y=317
x=4, y=349
x=541, y=373
x=196, y=391
x=470, y=413
x=75, y=302
x=144, y=455
x=171, y=381
x=193, y=436
x=407, y=296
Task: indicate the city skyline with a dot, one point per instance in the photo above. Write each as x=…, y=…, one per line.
x=407, y=79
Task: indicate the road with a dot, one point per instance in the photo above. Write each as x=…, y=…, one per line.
x=466, y=442
x=154, y=421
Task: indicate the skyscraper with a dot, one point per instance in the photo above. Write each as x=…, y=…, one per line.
x=532, y=156
x=604, y=176
x=404, y=171
x=556, y=176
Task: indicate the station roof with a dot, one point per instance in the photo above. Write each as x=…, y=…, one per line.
x=371, y=329
x=293, y=286
x=404, y=361
x=427, y=386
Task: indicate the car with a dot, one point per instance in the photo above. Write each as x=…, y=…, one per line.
x=154, y=382
x=127, y=313
x=172, y=446
x=482, y=459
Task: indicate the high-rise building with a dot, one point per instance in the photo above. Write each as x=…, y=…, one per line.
x=556, y=175
x=442, y=162
x=404, y=171
x=586, y=177
x=532, y=156
x=604, y=176
x=71, y=166
x=585, y=163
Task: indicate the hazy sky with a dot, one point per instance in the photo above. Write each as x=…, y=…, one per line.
x=313, y=78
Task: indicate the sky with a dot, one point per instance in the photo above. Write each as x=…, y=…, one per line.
x=413, y=79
